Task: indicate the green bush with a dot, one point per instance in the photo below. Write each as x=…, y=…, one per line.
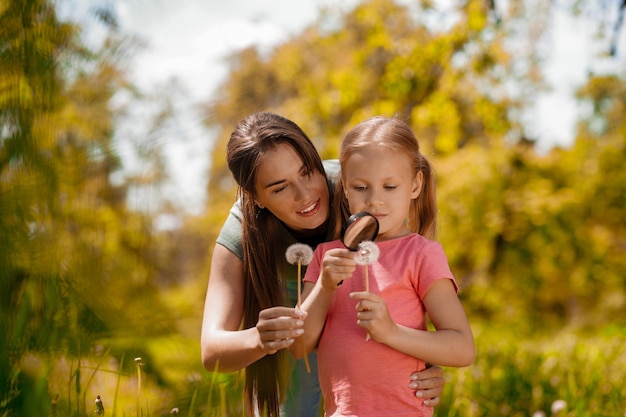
x=531, y=376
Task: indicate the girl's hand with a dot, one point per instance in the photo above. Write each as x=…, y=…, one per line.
x=373, y=315
x=278, y=326
x=428, y=385
x=338, y=264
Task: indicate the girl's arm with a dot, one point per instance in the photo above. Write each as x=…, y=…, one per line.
x=451, y=345
x=337, y=265
x=224, y=346
x=316, y=301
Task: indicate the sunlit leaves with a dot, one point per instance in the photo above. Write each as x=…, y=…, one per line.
x=535, y=230
x=74, y=260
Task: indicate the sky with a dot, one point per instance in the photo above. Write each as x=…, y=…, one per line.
x=188, y=40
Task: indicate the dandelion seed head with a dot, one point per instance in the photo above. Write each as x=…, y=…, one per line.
x=367, y=253
x=299, y=253
x=174, y=411
x=99, y=406
x=138, y=361
x=558, y=406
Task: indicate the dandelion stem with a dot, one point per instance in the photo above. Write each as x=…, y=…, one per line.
x=299, y=304
x=299, y=284
x=139, y=363
x=367, y=288
x=138, y=390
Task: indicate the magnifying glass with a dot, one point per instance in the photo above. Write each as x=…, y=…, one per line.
x=359, y=227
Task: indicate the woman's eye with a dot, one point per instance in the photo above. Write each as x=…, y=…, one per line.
x=279, y=189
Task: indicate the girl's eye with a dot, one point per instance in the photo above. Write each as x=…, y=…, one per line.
x=359, y=188
x=390, y=187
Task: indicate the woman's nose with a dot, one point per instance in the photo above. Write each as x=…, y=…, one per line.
x=302, y=191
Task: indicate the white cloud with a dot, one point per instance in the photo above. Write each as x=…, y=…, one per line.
x=189, y=40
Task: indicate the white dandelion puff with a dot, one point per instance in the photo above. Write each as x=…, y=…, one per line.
x=367, y=253
x=558, y=406
x=299, y=253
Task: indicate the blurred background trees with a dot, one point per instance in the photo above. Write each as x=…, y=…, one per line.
x=536, y=239
x=514, y=221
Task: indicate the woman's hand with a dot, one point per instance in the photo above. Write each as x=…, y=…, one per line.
x=428, y=385
x=278, y=326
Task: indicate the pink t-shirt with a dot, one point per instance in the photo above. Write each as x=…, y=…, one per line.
x=367, y=378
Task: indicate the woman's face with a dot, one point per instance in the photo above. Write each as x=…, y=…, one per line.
x=296, y=196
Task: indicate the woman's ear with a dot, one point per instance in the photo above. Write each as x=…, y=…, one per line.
x=418, y=182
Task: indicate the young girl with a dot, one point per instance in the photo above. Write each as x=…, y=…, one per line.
x=383, y=173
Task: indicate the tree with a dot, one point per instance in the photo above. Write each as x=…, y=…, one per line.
x=75, y=261
x=516, y=224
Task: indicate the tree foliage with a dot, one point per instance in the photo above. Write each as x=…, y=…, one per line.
x=75, y=261
x=534, y=238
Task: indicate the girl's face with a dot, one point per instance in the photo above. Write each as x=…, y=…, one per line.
x=297, y=197
x=381, y=181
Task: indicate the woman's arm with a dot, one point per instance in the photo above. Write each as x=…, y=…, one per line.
x=225, y=347
x=451, y=345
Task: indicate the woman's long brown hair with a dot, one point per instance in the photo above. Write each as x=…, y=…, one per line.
x=263, y=262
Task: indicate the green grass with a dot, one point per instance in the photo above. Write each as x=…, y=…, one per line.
x=520, y=376
x=513, y=375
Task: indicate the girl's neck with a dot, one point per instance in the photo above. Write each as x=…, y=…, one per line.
x=401, y=232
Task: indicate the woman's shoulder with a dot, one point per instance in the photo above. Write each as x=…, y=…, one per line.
x=332, y=168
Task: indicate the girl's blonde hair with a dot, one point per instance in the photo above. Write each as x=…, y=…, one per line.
x=395, y=134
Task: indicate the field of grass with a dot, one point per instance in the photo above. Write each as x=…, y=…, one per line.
x=567, y=373
x=562, y=374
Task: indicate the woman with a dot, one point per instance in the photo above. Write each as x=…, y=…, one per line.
x=284, y=197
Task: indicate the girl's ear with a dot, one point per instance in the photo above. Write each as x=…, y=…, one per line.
x=418, y=181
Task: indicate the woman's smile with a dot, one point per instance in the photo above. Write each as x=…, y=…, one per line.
x=311, y=209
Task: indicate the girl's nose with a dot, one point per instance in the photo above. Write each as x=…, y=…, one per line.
x=373, y=198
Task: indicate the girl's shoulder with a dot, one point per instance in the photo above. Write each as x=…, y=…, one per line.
x=413, y=243
x=324, y=246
